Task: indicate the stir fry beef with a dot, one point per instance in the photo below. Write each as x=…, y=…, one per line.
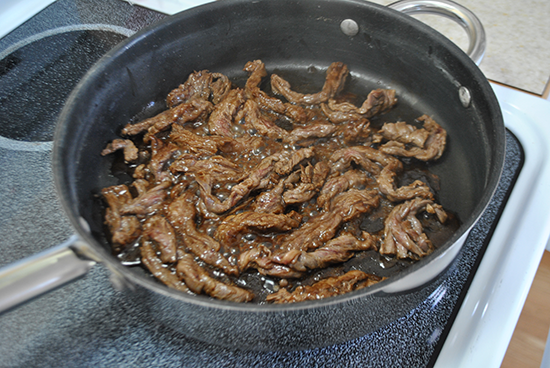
x=403, y=234
x=377, y=101
x=128, y=147
x=336, y=76
x=124, y=229
x=332, y=286
x=232, y=183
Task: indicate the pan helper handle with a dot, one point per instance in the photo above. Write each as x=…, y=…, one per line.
x=464, y=17
x=43, y=272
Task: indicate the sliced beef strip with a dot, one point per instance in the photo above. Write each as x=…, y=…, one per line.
x=231, y=227
x=193, y=142
x=124, y=229
x=289, y=160
x=337, y=250
x=217, y=167
x=254, y=118
x=432, y=149
x=128, y=147
x=367, y=157
x=255, y=179
x=259, y=258
x=181, y=213
x=158, y=230
x=404, y=133
x=181, y=113
x=200, y=282
x=323, y=227
x=153, y=263
x=220, y=121
x=354, y=131
x=312, y=179
x=337, y=73
x=403, y=233
x=387, y=186
x=196, y=86
x=377, y=101
x=220, y=87
x=339, y=184
x=161, y=154
x=332, y=286
x=270, y=201
x=149, y=202
x=257, y=71
x=371, y=160
x=313, y=130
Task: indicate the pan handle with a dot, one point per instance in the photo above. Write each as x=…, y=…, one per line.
x=449, y=9
x=38, y=274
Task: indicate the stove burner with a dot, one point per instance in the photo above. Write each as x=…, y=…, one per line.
x=38, y=74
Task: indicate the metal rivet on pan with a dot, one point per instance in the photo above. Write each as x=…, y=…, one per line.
x=465, y=96
x=349, y=27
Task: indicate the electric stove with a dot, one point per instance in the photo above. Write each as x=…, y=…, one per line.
x=467, y=319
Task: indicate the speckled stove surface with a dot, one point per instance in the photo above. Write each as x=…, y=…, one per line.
x=88, y=323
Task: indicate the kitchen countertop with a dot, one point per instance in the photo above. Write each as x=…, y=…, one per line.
x=518, y=39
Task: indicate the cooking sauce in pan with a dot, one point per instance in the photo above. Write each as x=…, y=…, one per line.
x=373, y=222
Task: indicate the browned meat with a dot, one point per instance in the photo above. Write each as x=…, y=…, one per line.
x=337, y=250
x=196, y=86
x=265, y=102
x=352, y=280
x=318, y=130
x=378, y=101
x=387, y=186
x=312, y=179
x=124, y=229
x=229, y=180
x=355, y=131
x=181, y=114
x=322, y=228
x=336, y=76
x=220, y=121
x=368, y=158
x=257, y=71
x=157, y=268
x=404, y=133
x=220, y=87
x=229, y=229
x=130, y=150
x=181, y=213
x=239, y=191
x=157, y=229
x=354, y=202
x=161, y=153
x=147, y=203
x=339, y=184
x=270, y=201
x=265, y=126
x=217, y=167
x=286, y=164
x=403, y=233
x=195, y=143
x=200, y=282
x=431, y=150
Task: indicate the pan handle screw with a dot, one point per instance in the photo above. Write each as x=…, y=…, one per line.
x=349, y=27
x=465, y=96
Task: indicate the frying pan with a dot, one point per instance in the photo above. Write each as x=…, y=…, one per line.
x=383, y=48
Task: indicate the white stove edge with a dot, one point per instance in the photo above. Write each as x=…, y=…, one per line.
x=13, y=13
x=487, y=318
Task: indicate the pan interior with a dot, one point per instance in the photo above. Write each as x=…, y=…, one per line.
x=297, y=40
